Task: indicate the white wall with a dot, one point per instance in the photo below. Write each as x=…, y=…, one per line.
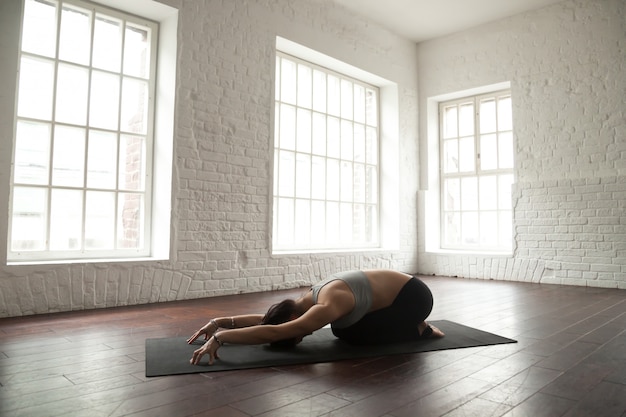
x=566, y=65
x=222, y=148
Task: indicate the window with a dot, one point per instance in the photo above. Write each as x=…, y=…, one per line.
x=325, y=159
x=81, y=184
x=476, y=141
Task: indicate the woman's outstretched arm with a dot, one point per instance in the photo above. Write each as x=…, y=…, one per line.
x=232, y=322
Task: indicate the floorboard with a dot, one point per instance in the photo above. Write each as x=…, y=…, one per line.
x=570, y=360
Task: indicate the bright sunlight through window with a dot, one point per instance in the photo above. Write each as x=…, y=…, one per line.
x=477, y=173
x=81, y=176
x=325, y=159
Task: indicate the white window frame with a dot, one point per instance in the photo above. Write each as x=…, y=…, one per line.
x=157, y=241
x=297, y=206
x=500, y=214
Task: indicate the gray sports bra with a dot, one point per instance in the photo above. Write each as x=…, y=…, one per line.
x=360, y=286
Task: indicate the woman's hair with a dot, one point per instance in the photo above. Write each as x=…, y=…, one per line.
x=281, y=313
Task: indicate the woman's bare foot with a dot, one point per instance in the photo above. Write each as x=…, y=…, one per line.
x=428, y=330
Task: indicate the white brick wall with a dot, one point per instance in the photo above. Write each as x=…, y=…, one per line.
x=566, y=64
x=222, y=172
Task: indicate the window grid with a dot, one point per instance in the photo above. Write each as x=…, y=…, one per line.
x=325, y=159
x=477, y=172
x=82, y=161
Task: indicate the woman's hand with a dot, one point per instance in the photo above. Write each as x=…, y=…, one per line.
x=209, y=348
x=208, y=330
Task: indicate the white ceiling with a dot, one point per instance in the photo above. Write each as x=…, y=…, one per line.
x=420, y=20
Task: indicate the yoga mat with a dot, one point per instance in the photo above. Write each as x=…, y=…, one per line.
x=170, y=356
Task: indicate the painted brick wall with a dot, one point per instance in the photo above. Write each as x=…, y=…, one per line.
x=222, y=172
x=566, y=64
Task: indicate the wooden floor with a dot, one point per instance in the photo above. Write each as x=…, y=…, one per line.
x=570, y=360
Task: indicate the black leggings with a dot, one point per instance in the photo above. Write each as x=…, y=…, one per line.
x=396, y=323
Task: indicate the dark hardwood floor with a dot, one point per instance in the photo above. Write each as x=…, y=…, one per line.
x=570, y=360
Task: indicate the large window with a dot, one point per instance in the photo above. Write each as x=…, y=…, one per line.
x=82, y=169
x=477, y=172
x=325, y=159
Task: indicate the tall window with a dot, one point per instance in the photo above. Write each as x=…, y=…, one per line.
x=477, y=172
x=82, y=160
x=325, y=159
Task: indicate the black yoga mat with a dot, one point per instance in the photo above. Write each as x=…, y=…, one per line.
x=170, y=356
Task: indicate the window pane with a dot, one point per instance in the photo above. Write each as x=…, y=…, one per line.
x=35, y=88
x=71, y=101
x=130, y=220
x=100, y=220
x=450, y=156
x=318, y=177
x=467, y=154
x=319, y=134
x=505, y=150
x=466, y=119
x=489, y=228
x=505, y=183
x=288, y=78
x=359, y=143
x=487, y=116
x=488, y=152
x=39, y=28
x=287, y=127
x=371, y=214
x=68, y=158
x=134, y=115
x=137, y=51
x=318, y=223
x=75, y=36
x=32, y=153
x=132, y=163
x=359, y=103
x=303, y=175
x=28, y=223
x=505, y=117
x=102, y=160
x=303, y=128
x=450, y=127
x=66, y=219
x=488, y=193
x=334, y=95
x=345, y=223
x=346, y=181
x=347, y=97
x=469, y=228
x=469, y=193
x=359, y=226
x=107, y=43
x=371, y=145
x=347, y=140
x=452, y=228
x=286, y=180
x=332, y=224
x=304, y=86
x=371, y=184
x=319, y=91
x=333, y=138
x=104, y=102
x=302, y=235
x=332, y=179
x=452, y=195
x=359, y=183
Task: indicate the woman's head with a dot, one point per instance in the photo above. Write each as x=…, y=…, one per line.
x=281, y=313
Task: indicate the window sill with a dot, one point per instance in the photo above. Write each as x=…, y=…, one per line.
x=466, y=252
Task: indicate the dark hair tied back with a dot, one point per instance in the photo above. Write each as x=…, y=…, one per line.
x=281, y=313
